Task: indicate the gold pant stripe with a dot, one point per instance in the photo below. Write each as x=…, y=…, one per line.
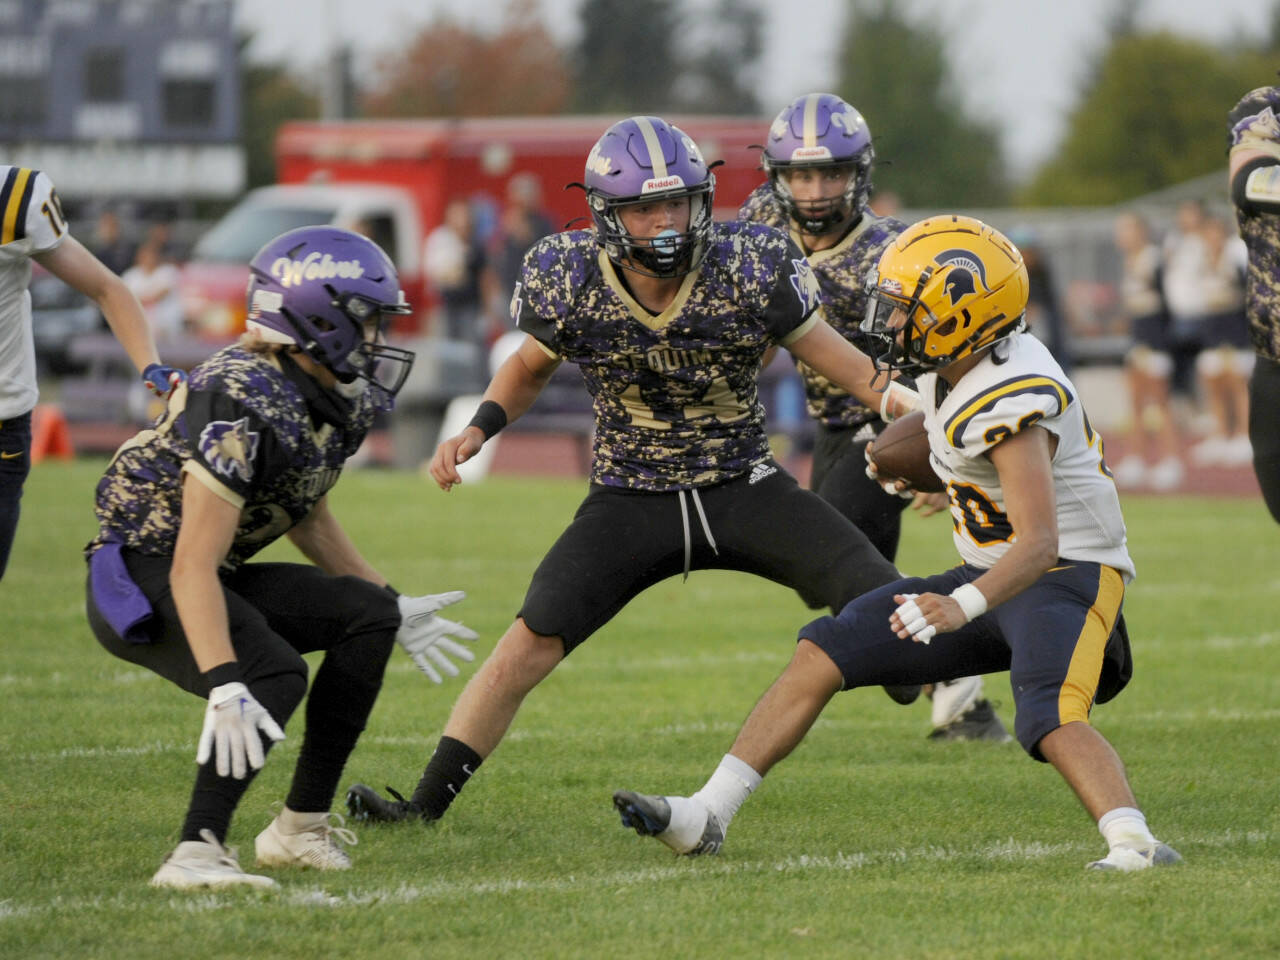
x=1078, y=690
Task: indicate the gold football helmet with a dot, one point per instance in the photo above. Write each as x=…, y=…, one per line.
x=961, y=284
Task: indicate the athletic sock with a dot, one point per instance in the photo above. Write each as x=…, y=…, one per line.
x=1125, y=826
x=728, y=788
x=447, y=772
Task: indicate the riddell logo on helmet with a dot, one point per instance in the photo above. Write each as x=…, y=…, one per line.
x=315, y=267
x=811, y=153
x=662, y=183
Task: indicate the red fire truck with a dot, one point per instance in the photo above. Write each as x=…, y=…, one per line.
x=392, y=180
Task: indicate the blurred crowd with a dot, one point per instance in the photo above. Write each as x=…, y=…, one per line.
x=1190, y=357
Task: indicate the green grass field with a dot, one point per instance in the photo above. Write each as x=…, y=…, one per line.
x=868, y=841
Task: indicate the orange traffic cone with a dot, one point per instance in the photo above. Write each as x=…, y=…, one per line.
x=50, y=436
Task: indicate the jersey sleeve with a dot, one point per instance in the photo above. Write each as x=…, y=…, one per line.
x=1255, y=188
x=1004, y=409
x=538, y=298
x=233, y=449
x=795, y=297
x=30, y=212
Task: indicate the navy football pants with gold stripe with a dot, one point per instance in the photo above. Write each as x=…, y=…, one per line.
x=1063, y=641
x=15, y=463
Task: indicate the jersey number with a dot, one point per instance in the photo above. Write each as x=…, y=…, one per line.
x=52, y=209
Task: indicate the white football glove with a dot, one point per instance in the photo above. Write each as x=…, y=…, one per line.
x=898, y=488
x=231, y=724
x=428, y=638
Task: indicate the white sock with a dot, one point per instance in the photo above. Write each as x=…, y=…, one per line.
x=728, y=788
x=1125, y=826
x=688, y=820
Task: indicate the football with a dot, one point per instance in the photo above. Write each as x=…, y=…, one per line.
x=902, y=451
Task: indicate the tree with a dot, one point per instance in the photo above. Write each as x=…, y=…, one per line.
x=721, y=59
x=930, y=152
x=268, y=97
x=627, y=57
x=1151, y=115
x=450, y=70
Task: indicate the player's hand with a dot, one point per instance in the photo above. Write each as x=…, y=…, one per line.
x=231, y=724
x=162, y=380
x=930, y=503
x=896, y=487
x=432, y=639
x=922, y=616
x=450, y=453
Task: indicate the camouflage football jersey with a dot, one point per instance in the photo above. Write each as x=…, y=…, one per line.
x=674, y=395
x=255, y=430
x=1260, y=229
x=841, y=272
x=31, y=222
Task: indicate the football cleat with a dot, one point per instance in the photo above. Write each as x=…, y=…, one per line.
x=979, y=722
x=650, y=816
x=904, y=693
x=1127, y=858
x=195, y=864
x=305, y=840
x=367, y=806
x=953, y=698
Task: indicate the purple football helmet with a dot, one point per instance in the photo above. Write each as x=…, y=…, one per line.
x=320, y=288
x=641, y=159
x=1255, y=118
x=820, y=130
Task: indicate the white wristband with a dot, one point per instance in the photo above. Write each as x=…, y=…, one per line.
x=972, y=600
x=910, y=398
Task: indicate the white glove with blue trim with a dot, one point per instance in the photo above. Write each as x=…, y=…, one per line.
x=430, y=639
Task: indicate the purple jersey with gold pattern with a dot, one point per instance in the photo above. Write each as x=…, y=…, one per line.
x=841, y=272
x=254, y=429
x=674, y=395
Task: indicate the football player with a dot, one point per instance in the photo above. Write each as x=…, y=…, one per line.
x=247, y=452
x=818, y=156
x=668, y=315
x=1253, y=132
x=1038, y=528
x=32, y=227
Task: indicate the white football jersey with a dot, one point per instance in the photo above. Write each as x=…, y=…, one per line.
x=1014, y=386
x=31, y=222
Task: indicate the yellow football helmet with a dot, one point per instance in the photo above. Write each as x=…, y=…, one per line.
x=962, y=285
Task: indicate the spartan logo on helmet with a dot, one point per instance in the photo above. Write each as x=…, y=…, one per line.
x=967, y=275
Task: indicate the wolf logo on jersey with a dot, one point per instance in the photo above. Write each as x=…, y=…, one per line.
x=840, y=272
x=229, y=448
x=675, y=395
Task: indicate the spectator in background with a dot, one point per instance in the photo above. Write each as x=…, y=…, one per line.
x=109, y=245
x=521, y=223
x=1184, y=287
x=452, y=261
x=1044, y=313
x=1154, y=460
x=155, y=283
x=1253, y=141
x=1225, y=359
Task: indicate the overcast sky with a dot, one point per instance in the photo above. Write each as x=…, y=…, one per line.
x=1018, y=61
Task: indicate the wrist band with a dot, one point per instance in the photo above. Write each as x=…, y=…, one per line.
x=889, y=391
x=972, y=600
x=489, y=418
x=223, y=673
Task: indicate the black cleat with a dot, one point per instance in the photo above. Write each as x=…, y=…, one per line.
x=368, y=806
x=902, y=693
x=979, y=722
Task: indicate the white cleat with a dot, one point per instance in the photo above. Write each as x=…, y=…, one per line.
x=953, y=698
x=195, y=864
x=305, y=840
x=1127, y=858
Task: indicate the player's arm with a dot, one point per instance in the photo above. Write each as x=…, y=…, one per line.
x=323, y=540
x=1023, y=462
x=73, y=264
x=822, y=348
x=208, y=528
x=514, y=387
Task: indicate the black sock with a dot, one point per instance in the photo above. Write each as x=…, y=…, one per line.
x=448, y=771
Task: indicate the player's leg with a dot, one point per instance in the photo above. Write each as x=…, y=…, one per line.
x=273, y=671
x=1069, y=648
x=856, y=648
x=1264, y=400
x=618, y=544
x=15, y=464
x=840, y=478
